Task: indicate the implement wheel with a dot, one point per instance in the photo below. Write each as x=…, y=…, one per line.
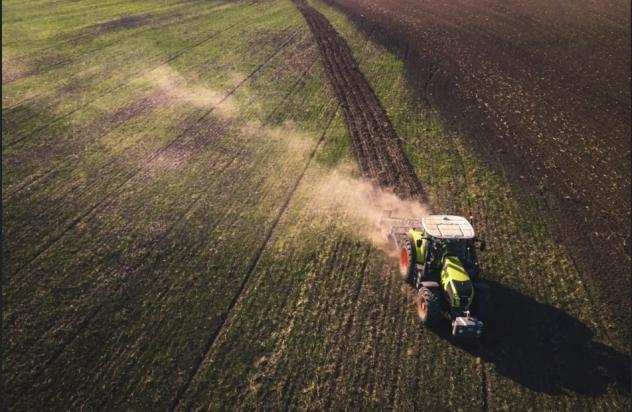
x=407, y=261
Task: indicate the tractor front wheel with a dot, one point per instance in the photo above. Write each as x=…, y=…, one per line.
x=407, y=262
x=428, y=307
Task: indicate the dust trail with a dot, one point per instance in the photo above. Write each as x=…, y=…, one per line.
x=357, y=204
x=291, y=141
x=192, y=91
x=362, y=204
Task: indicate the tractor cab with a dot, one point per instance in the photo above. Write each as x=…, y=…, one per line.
x=447, y=236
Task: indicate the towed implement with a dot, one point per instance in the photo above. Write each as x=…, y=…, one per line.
x=437, y=256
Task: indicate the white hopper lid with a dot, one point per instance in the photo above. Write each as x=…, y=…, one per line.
x=447, y=227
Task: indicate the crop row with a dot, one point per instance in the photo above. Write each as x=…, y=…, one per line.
x=144, y=277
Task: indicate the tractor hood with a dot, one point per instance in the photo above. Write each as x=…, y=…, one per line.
x=457, y=284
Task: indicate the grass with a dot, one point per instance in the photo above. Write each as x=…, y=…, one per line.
x=179, y=257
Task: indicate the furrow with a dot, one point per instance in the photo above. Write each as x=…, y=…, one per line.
x=103, y=201
x=249, y=271
x=137, y=75
x=374, y=140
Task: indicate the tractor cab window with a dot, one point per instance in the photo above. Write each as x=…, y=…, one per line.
x=457, y=247
x=461, y=248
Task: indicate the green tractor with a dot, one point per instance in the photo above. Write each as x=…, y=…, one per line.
x=437, y=256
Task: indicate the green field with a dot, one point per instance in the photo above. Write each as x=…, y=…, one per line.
x=184, y=226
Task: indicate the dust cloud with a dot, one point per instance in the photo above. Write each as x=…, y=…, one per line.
x=362, y=204
x=189, y=91
x=339, y=193
x=358, y=203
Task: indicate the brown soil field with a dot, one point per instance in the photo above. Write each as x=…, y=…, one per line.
x=375, y=143
x=543, y=90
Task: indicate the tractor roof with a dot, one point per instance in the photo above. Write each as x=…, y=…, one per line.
x=447, y=227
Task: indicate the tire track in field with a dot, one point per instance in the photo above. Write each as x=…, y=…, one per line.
x=374, y=140
x=115, y=191
x=88, y=319
x=114, y=121
x=376, y=145
x=152, y=21
x=250, y=269
x=120, y=289
x=134, y=76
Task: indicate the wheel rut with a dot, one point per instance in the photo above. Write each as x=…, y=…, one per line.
x=54, y=238
x=374, y=141
x=224, y=319
x=377, y=147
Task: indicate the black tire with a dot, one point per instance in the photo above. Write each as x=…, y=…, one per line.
x=482, y=301
x=407, y=262
x=428, y=307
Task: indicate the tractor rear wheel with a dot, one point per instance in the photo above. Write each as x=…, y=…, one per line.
x=428, y=307
x=407, y=261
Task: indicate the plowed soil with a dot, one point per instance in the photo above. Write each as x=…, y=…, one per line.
x=542, y=90
x=375, y=143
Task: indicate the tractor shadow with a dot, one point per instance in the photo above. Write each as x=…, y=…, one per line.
x=544, y=348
